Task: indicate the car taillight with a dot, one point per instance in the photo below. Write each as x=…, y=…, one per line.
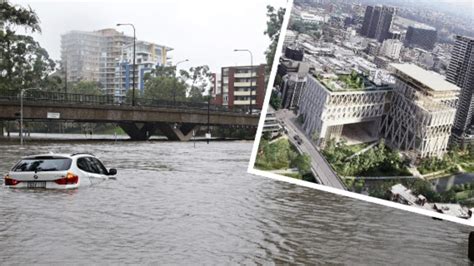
x=70, y=178
x=10, y=181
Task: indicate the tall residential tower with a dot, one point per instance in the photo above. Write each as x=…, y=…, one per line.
x=461, y=73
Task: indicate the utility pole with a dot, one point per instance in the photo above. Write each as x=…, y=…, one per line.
x=133, y=66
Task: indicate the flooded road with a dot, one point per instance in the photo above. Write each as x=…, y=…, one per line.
x=172, y=203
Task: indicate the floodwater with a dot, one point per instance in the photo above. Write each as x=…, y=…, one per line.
x=175, y=204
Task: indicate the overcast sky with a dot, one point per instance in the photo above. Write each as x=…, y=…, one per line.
x=204, y=31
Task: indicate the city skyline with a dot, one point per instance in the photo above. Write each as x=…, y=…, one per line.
x=205, y=38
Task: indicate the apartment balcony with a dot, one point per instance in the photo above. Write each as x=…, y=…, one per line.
x=245, y=102
x=245, y=75
x=243, y=93
x=243, y=84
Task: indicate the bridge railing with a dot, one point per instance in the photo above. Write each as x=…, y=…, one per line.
x=111, y=100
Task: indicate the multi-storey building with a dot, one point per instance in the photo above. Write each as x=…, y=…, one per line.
x=421, y=112
x=377, y=22
x=271, y=125
x=239, y=83
x=342, y=105
x=422, y=36
x=148, y=56
x=391, y=48
x=96, y=55
x=461, y=73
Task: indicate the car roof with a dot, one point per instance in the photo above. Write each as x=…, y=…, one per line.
x=58, y=155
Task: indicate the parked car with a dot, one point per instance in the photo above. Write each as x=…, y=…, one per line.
x=57, y=171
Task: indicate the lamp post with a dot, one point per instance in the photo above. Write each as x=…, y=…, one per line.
x=174, y=91
x=22, y=92
x=251, y=74
x=133, y=71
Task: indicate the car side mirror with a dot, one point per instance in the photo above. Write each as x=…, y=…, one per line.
x=112, y=171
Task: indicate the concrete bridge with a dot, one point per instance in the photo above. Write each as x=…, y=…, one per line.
x=176, y=120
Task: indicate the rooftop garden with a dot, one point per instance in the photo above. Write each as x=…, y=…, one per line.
x=344, y=82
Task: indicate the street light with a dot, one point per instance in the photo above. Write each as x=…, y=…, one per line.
x=133, y=71
x=176, y=66
x=251, y=73
x=21, y=113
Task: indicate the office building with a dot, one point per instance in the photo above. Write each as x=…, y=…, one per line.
x=421, y=112
x=293, y=83
x=239, y=83
x=461, y=73
x=377, y=22
x=422, y=36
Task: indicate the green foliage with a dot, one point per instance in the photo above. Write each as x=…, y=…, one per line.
x=164, y=88
x=23, y=62
x=447, y=163
x=199, y=78
x=266, y=135
x=303, y=163
x=274, y=23
x=164, y=71
x=300, y=119
x=86, y=87
x=275, y=100
x=377, y=161
x=300, y=26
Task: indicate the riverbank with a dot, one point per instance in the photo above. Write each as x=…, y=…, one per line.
x=68, y=137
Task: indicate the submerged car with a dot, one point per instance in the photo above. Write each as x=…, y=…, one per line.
x=57, y=171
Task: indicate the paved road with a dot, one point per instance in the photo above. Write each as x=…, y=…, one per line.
x=325, y=174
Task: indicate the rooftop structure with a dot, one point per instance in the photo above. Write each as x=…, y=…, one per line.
x=421, y=112
x=348, y=105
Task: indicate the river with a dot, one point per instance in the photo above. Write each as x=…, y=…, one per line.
x=175, y=204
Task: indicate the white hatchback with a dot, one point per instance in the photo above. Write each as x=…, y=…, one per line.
x=57, y=171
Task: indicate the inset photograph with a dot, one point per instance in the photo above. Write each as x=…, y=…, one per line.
x=376, y=100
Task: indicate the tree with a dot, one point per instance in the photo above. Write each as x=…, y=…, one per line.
x=165, y=88
x=86, y=87
x=303, y=163
x=24, y=63
x=200, y=80
x=275, y=100
x=164, y=71
x=274, y=23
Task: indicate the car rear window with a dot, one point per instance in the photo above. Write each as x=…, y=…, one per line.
x=42, y=164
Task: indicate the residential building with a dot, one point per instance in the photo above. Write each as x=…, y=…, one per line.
x=461, y=73
x=239, y=83
x=421, y=112
x=422, y=36
x=342, y=105
x=377, y=22
x=148, y=56
x=103, y=55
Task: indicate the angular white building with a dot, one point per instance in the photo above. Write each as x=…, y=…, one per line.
x=344, y=105
x=421, y=112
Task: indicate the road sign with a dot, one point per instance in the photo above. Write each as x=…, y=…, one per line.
x=53, y=115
